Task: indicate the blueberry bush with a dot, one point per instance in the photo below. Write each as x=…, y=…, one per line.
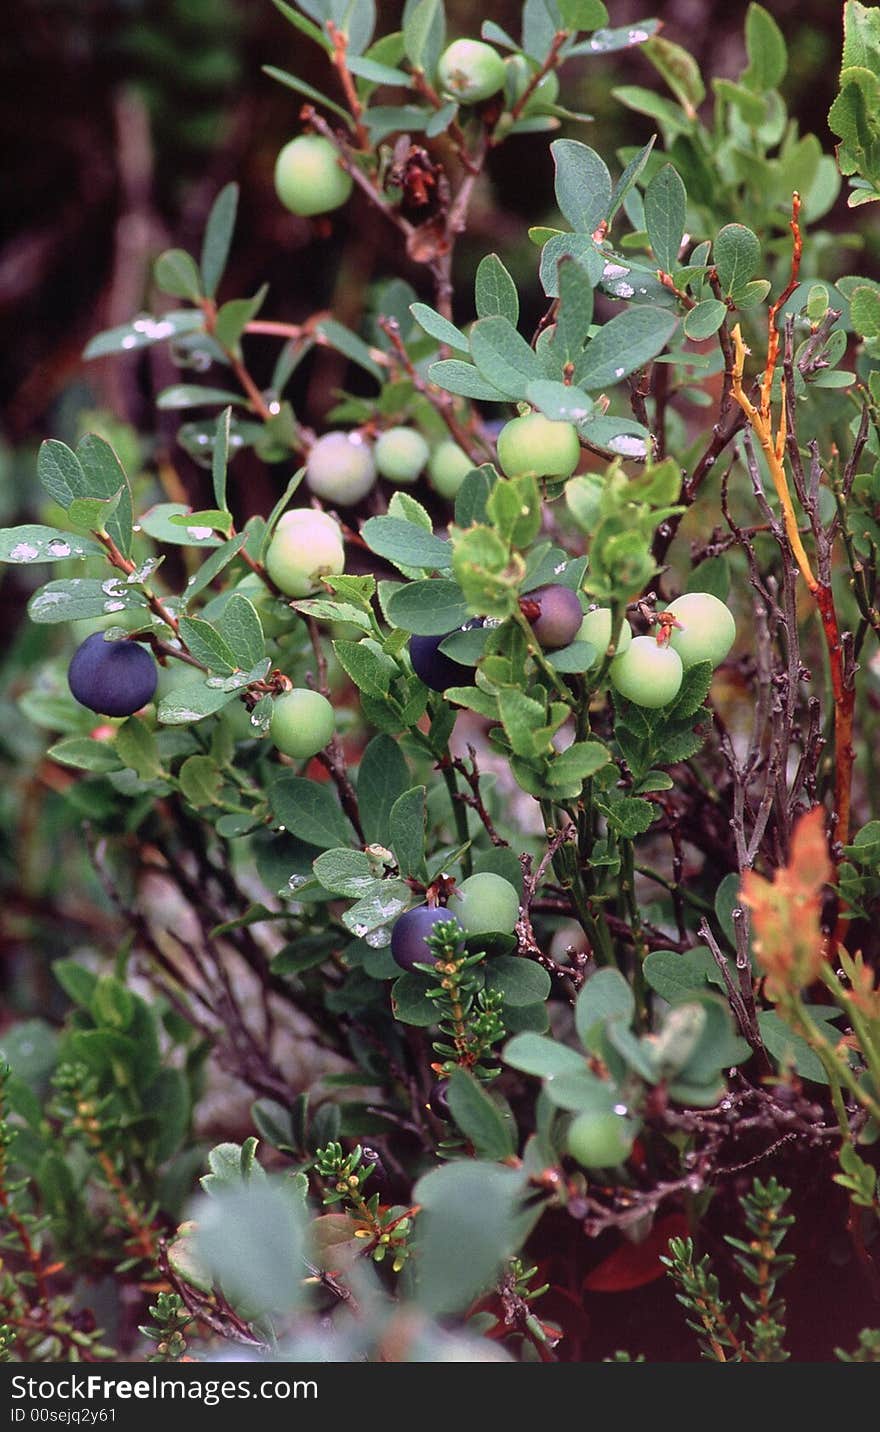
x=493, y=820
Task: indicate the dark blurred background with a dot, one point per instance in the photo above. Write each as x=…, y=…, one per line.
x=122, y=119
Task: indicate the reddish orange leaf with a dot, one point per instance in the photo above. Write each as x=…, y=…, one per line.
x=786, y=910
x=632, y=1265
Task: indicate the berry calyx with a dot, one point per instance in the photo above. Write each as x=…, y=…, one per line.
x=470, y=71
x=309, y=178
x=114, y=678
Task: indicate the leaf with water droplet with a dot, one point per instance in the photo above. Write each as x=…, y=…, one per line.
x=35, y=543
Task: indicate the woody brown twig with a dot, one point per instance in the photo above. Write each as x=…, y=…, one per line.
x=775, y=446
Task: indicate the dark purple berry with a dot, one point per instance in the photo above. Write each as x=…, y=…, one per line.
x=438, y=1099
x=434, y=667
x=410, y=934
x=114, y=678
x=559, y=616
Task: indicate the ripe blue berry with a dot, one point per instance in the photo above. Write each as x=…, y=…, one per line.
x=438, y=1099
x=114, y=678
x=410, y=934
x=434, y=667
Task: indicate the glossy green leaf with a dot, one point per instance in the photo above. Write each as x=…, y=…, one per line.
x=207, y=645
x=705, y=319
x=143, y=332
x=405, y=544
x=627, y=342
x=429, y=608
x=309, y=811
x=465, y=380
x=665, y=216
x=218, y=237
x=383, y=776
x=737, y=253
x=680, y=71
x=678, y=975
x=503, y=356
x=424, y=34
x=559, y=401
x=583, y=184
x=479, y=1118
x=546, y=1058
x=35, y=543
x=606, y=995
x=70, y=599
x=439, y=327
x=495, y=291
x=470, y=1225
x=766, y=49
x=175, y=272
x=406, y=831
x=84, y=754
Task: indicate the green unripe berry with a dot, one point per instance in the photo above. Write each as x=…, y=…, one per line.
x=305, y=546
x=596, y=629
x=538, y=445
x=400, y=454
x=707, y=628
x=309, y=178
x=470, y=71
x=448, y=466
x=647, y=674
x=340, y=468
x=600, y=1140
x=485, y=904
x=302, y=723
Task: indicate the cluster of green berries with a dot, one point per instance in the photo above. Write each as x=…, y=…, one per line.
x=118, y=678
x=484, y=906
x=648, y=670
x=342, y=467
x=310, y=176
